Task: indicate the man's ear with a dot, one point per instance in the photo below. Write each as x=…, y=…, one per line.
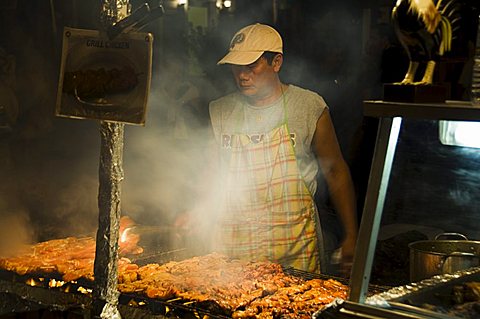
x=277, y=62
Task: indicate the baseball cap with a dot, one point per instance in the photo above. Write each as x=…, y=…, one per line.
x=251, y=42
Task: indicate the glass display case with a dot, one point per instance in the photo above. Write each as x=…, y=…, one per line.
x=391, y=115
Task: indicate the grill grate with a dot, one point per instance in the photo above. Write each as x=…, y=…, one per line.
x=372, y=289
x=174, y=308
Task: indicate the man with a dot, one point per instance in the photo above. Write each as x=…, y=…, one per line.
x=273, y=137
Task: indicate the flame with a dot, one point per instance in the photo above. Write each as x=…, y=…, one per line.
x=84, y=290
x=55, y=283
x=124, y=235
x=31, y=282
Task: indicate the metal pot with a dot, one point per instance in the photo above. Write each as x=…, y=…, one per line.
x=437, y=257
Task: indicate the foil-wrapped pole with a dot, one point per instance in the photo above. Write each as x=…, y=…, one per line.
x=105, y=292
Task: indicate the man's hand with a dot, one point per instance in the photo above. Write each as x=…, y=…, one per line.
x=340, y=185
x=348, y=250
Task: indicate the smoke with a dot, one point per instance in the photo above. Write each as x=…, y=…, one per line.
x=165, y=162
x=15, y=229
x=50, y=186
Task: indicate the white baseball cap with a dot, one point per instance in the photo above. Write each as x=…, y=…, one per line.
x=251, y=42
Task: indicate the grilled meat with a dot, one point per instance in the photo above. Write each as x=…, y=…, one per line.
x=241, y=289
x=238, y=288
x=70, y=257
x=299, y=301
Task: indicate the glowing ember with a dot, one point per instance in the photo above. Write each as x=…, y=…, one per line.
x=84, y=290
x=55, y=283
x=31, y=282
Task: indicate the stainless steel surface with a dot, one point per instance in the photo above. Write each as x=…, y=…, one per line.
x=348, y=309
x=418, y=311
x=377, y=187
x=436, y=257
x=432, y=293
x=451, y=236
x=450, y=110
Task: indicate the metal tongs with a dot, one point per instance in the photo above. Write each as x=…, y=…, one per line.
x=141, y=17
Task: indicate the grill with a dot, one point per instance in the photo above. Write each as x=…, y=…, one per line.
x=34, y=291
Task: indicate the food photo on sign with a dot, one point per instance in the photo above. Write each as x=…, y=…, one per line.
x=104, y=79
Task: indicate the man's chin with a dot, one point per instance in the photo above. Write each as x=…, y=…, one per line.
x=248, y=91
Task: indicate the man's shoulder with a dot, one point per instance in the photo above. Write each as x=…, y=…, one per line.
x=304, y=100
x=231, y=97
x=297, y=91
x=225, y=102
x=223, y=107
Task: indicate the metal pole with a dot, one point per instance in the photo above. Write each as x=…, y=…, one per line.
x=109, y=192
x=385, y=146
x=105, y=292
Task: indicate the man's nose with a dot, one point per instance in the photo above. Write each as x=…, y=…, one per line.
x=242, y=71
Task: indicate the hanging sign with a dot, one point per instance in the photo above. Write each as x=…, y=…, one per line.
x=104, y=79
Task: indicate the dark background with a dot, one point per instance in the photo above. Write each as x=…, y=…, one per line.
x=344, y=50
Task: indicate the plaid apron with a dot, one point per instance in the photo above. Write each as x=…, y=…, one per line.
x=270, y=213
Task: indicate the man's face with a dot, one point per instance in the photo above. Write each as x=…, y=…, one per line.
x=257, y=80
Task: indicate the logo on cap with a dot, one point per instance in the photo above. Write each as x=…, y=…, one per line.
x=237, y=39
